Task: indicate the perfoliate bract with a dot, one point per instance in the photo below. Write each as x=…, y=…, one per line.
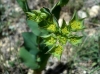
x=75, y=40
x=36, y=15
x=50, y=40
x=57, y=51
x=65, y=28
x=51, y=28
x=76, y=25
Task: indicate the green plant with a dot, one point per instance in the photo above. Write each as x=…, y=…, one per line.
x=46, y=37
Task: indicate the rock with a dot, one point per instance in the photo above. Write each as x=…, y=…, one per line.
x=84, y=72
x=94, y=11
x=30, y=71
x=82, y=14
x=89, y=3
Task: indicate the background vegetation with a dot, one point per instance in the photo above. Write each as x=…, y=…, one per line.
x=12, y=24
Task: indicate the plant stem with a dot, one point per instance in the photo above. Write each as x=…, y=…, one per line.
x=37, y=72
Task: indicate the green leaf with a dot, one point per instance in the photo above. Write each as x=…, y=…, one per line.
x=30, y=42
x=57, y=8
x=56, y=11
x=24, y=5
x=43, y=32
x=75, y=16
x=62, y=2
x=55, y=22
x=34, y=27
x=28, y=59
x=46, y=10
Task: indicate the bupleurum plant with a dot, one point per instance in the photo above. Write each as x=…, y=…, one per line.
x=46, y=37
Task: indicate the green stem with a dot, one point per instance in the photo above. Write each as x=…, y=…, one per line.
x=37, y=72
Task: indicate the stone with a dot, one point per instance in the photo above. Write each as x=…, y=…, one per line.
x=82, y=14
x=94, y=11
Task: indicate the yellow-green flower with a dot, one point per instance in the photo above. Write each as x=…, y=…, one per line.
x=37, y=12
x=57, y=51
x=65, y=30
x=62, y=39
x=36, y=16
x=31, y=16
x=50, y=40
x=76, y=25
x=43, y=15
x=51, y=27
x=75, y=40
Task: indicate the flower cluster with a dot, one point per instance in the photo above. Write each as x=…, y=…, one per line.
x=36, y=15
x=57, y=36
x=76, y=25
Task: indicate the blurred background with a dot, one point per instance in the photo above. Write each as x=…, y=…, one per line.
x=13, y=23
